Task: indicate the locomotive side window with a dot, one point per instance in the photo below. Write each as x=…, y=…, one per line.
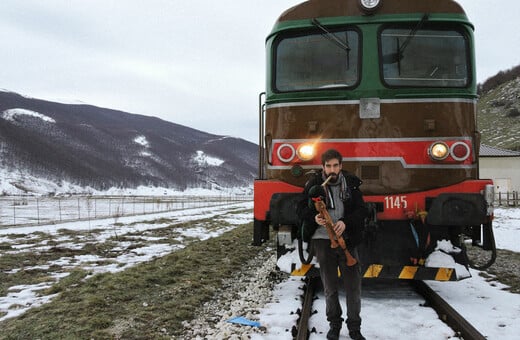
x=317, y=61
x=424, y=57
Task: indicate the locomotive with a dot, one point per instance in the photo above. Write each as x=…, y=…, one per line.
x=391, y=85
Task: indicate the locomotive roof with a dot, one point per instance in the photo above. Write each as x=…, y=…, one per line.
x=335, y=8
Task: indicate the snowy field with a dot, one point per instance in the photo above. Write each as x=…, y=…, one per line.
x=22, y=239
x=492, y=310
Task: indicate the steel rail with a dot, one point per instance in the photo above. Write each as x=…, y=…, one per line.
x=302, y=331
x=447, y=314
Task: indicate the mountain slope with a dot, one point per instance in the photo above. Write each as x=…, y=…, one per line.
x=102, y=148
x=499, y=115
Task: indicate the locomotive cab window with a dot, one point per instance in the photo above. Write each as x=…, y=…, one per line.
x=320, y=60
x=424, y=57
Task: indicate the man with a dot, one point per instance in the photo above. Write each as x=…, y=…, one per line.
x=347, y=209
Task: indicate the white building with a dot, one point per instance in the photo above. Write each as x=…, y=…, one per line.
x=502, y=166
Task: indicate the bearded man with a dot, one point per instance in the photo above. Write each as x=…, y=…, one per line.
x=347, y=209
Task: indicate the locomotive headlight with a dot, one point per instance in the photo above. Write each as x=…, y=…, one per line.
x=438, y=151
x=306, y=152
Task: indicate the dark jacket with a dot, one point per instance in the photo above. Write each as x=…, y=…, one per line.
x=354, y=215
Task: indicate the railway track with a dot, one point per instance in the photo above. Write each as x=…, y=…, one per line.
x=301, y=331
x=446, y=313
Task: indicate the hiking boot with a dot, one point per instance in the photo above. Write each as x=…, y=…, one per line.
x=356, y=335
x=333, y=333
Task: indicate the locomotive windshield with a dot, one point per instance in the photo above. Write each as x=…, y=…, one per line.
x=317, y=61
x=425, y=58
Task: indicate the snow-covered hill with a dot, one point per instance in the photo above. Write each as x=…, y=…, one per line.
x=55, y=147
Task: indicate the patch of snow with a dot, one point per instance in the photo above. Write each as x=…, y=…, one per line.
x=441, y=258
x=204, y=160
x=22, y=183
x=506, y=228
x=12, y=113
x=24, y=297
x=141, y=140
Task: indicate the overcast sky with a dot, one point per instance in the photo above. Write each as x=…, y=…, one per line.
x=198, y=63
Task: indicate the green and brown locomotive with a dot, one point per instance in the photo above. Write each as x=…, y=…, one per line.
x=391, y=85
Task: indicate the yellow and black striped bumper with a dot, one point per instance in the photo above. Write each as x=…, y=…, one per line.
x=305, y=270
x=410, y=273
x=378, y=271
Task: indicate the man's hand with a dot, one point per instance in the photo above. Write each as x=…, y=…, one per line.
x=339, y=227
x=320, y=220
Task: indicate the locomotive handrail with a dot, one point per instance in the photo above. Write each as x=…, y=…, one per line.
x=261, y=110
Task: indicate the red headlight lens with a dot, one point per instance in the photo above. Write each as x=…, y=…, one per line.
x=286, y=153
x=460, y=151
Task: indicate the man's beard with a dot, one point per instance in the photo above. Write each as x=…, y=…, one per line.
x=334, y=177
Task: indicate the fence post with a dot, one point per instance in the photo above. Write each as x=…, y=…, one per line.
x=37, y=210
x=89, y=206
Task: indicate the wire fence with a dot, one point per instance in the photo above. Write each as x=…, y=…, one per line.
x=24, y=211
x=28, y=210
x=508, y=199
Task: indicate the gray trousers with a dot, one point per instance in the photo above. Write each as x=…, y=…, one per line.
x=330, y=259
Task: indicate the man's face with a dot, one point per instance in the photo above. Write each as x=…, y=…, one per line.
x=332, y=167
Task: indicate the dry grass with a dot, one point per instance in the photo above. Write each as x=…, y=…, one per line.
x=147, y=301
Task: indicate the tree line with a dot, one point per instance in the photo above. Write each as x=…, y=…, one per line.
x=498, y=79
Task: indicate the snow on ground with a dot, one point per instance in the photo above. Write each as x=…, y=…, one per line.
x=23, y=297
x=492, y=310
x=487, y=306
x=506, y=228
x=141, y=140
x=12, y=180
x=203, y=159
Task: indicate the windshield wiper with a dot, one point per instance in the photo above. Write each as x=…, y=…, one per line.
x=334, y=39
x=331, y=35
x=399, y=55
x=412, y=34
